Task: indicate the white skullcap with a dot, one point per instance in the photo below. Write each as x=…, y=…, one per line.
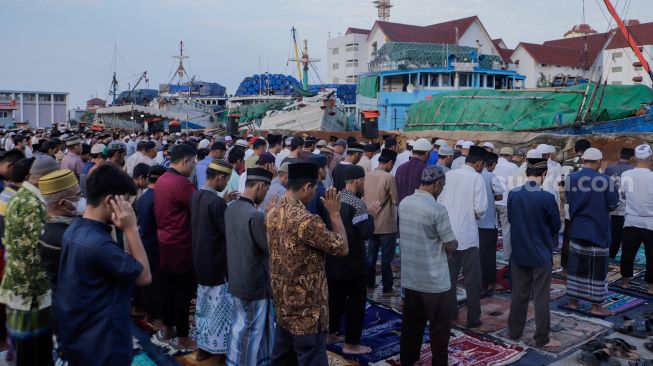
x=534, y=154
x=460, y=142
x=488, y=144
x=228, y=138
x=546, y=149
x=440, y=142
x=410, y=142
x=592, y=154
x=288, y=141
x=467, y=144
x=204, y=144
x=422, y=145
x=643, y=152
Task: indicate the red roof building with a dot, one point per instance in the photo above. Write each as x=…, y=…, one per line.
x=642, y=33
x=93, y=104
x=580, y=30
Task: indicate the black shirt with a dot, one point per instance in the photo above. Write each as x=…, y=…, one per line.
x=209, y=244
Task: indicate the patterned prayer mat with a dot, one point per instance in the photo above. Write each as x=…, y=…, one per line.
x=381, y=332
x=570, y=330
x=637, y=286
x=142, y=359
x=395, y=303
x=494, y=313
x=615, y=302
x=558, y=288
x=470, y=349
x=640, y=258
x=337, y=360
x=556, y=267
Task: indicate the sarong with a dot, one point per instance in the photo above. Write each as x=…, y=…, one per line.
x=252, y=333
x=213, y=318
x=587, y=272
x=30, y=335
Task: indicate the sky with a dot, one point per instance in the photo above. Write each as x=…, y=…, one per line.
x=68, y=45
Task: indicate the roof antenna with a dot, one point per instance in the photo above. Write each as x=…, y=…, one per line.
x=384, y=9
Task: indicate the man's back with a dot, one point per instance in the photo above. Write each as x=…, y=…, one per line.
x=638, y=188
x=408, y=177
x=380, y=186
x=504, y=171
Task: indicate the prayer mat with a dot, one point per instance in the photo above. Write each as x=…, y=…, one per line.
x=614, y=272
x=557, y=266
x=395, y=303
x=636, y=287
x=569, y=329
x=337, y=360
x=503, y=282
x=470, y=349
x=142, y=359
x=494, y=313
x=381, y=332
x=614, y=302
x=558, y=288
x=640, y=258
x=461, y=294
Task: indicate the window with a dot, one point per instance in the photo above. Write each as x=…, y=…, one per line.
x=352, y=47
x=44, y=97
x=5, y=96
x=335, y=50
x=374, y=47
x=59, y=98
x=616, y=69
x=352, y=78
x=616, y=83
x=638, y=83
x=335, y=66
x=446, y=79
x=490, y=81
x=29, y=97
x=434, y=81
x=351, y=63
x=4, y=114
x=638, y=68
x=544, y=65
x=464, y=80
x=618, y=55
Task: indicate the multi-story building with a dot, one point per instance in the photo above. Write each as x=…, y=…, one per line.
x=93, y=104
x=38, y=108
x=620, y=64
x=347, y=56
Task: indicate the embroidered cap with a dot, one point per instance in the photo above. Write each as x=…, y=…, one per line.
x=432, y=174
x=221, y=166
x=643, y=152
x=57, y=181
x=259, y=175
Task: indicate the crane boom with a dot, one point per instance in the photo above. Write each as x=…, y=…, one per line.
x=629, y=39
x=299, y=68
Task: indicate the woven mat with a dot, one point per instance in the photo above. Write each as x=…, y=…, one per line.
x=614, y=302
x=569, y=329
x=469, y=349
x=494, y=313
x=637, y=286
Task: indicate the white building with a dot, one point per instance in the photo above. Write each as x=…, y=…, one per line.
x=38, y=108
x=347, y=56
x=620, y=64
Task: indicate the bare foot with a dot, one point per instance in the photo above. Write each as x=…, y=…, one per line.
x=573, y=304
x=356, y=349
x=625, y=282
x=334, y=338
x=552, y=344
x=600, y=311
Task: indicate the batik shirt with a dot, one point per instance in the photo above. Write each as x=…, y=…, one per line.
x=298, y=242
x=25, y=283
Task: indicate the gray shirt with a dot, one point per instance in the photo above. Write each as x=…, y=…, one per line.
x=424, y=227
x=248, y=263
x=275, y=188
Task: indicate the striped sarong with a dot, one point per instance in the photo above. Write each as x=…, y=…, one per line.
x=587, y=272
x=213, y=318
x=30, y=335
x=252, y=333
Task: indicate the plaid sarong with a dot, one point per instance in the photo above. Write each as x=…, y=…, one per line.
x=252, y=333
x=587, y=272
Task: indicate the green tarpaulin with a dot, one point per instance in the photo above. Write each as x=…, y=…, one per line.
x=493, y=110
x=251, y=112
x=368, y=86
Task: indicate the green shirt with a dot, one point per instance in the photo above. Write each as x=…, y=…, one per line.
x=25, y=282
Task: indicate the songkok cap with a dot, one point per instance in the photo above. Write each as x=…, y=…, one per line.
x=387, y=155
x=354, y=172
x=627, y=152
x=204, y=144
x=506, y=150
x=259, y=175
x=350, y=139
x=156, y=171
x=342, y=143
x=422, y=145
x=302, y=171
x=643, y=152
x=410, y=143
x=333, y=138
x=274, y=139
x=477, y=151
x=370, y=148
x=390, y=142
x=431, y=174
x=288, y=141
x=265, y=158
x=537, y=163
x=440, y=142
x=241, y=143
x=582, y=145
x=328, y=150
x=354, y=147
x=43, y=165
x=321, y=143
x=467, y=144
x=98, y=149
x=534, y=154
x=218, y=145
x=57, y=181
x=310, y=140
x=593, y=154
x=73, y=140
x=460, y=142
x=284, y=167
x=445, y=150
x=488, y=144
x=519, y=152
x=319, y=160
x=491, y=157
x=117, y=145
x=221, y=166
x=228, y=138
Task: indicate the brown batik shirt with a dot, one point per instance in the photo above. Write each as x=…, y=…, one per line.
x=298, y=242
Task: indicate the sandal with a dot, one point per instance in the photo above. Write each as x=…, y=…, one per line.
x=619, y=342
x=594, y=345
x=597, y=358
x=618, y=351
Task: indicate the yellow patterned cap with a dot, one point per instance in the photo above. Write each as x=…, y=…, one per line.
x=57, y=181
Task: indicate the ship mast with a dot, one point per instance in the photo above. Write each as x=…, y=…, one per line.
x=181, y=71
x=304, y=61
x=384, y=7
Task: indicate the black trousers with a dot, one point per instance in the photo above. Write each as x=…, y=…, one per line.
x=566, y=239
x=468, y=261
x=294, y=350
x=347, y=297
x=488, y=255
x=617, y=226
x=633, y=237
x=527, y=281
x=420, y=307
x=177, y=290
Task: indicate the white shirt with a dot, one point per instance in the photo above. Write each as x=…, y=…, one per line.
x=242, y=179
x=248, y=153
x=504, y=171
x=375, y=160
x=552, y=179
x=136, y=159
x=282, y=155
x=637, y=185
x=403, y=157
x=458, y=162
x=465, y=198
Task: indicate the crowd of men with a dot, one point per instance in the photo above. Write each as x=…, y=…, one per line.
x=278, y=239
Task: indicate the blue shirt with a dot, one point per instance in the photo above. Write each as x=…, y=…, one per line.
x=489, y=220
x=147, y=227
x=433, y=158
x=95, y=287
x=316, y=207
x=534, y=225
x=591, y=196
x=200, y=170
x=88, y=167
